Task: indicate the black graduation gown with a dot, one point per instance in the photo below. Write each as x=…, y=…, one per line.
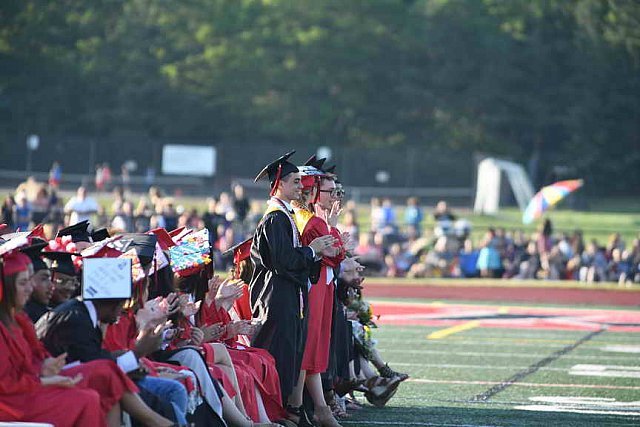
x=69, y=328
x=281, y=274
x=35, y=310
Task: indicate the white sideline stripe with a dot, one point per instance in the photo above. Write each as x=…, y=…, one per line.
x=622, y=348
x=524, y=355
x=451, y=342
x=553, y=408
x=454, y=366
x=417, y=423
x=609, y=371
x=518, y=384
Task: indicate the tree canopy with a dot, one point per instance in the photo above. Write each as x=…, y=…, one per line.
x=552, y=81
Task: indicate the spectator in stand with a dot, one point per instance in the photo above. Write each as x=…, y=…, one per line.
x=413, y=215
x=577, y=242
x=99, y=180
x=618, y=268
x=22, y=212
x=170, y=215
x=40, y=206
x=155, y=195
x=123, y=218
x=594, y=264
x=442, y=212
x=7, y=212
x=398, y=261
x=350, y=225
x=80, y=207
x=212, y=219
x=371, y=254
x=55, y=175
x=468, y=259
x=240, y=203
x=225, y=207
x=142, y=216
x=489, y=262
x=125, y=177
x=529, y=263
x=388, y=217
x=545, y=238
x=614, y=242
x=376, y=215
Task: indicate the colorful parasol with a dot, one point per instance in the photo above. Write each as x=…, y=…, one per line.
x=547, y=197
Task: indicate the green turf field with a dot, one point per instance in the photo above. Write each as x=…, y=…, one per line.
x=509, y=377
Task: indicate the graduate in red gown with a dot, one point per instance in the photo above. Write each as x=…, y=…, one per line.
x=317, y=191
x=215, y=309
x=34, y=386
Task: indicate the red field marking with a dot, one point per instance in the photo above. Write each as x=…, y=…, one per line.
x=507, y=317
x=458, y=291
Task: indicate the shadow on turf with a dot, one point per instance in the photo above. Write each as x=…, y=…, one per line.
x=477, y=416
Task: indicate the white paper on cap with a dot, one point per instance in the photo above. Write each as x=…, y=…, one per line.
x=104, y=278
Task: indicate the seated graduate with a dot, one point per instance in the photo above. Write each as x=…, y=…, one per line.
x=73, y=328
x=91, y=393
x=38, y=304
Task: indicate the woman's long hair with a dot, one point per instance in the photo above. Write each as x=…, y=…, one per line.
x=8, y=303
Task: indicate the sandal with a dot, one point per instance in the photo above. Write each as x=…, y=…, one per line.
x=301, y=415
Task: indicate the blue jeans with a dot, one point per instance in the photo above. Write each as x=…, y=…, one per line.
x=169, y=390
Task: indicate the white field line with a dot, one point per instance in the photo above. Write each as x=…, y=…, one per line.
x=454, y=366
x=518, y=384
x=503, y=354
x=557, y=408
x=621, y=348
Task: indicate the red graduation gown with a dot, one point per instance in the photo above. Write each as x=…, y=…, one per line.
x=316, y=351
x=24, y=398
x=257, y=361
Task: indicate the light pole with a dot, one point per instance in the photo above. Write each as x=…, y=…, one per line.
x=33, y=142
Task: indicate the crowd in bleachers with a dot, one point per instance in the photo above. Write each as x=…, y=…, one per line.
x=405, y=248
x=392, y=246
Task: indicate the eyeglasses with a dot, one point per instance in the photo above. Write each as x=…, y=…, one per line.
x=67, y=283
x=336, y=192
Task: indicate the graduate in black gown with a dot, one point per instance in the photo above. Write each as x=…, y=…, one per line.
x=38, y=303
x=280, y=281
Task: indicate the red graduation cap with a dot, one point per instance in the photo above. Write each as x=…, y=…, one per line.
x=11, y=263
x=241, y=251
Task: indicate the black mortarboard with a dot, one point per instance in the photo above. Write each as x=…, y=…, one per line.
x=78, y=232
x=277, y=170
x=331, y=170
x=100, y=234
x=34, y=252
x=315, y=162
x=61, y=262
x=143, y=244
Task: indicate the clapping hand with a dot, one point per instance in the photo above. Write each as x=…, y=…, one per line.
x=213, y=332
x=241, y=327
x=229, y=290
x=213, y=285
x=154, y=312
x=53, y=365
x=197, y=336
x=61, y=380
x=190, y=308
x=348, y=243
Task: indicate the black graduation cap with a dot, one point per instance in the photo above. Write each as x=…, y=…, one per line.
x=34, y=252
x=315, y=162
x=143, y=244
x=331, y=169
x=277, y=170
x=78, y=232
x=61, y=262
x=100, y=234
